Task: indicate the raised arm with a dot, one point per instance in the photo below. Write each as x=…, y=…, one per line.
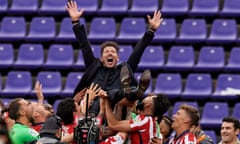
x=39, y=93
x=113, y=123
x=153, y=25
x=80, y=32
x=73, y=11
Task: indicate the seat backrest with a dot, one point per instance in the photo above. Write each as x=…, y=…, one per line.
x=235, y=112
x=30, y=54
x=6, y=55
x=212, y=55
x=197, y=83
x=102, y=28
x=227, y=83
x=3, y=6
x=181, y=56
x=51, y=81
x=205, y=7
x=72, y=80
x=175, y=7
x=60, y=54
x=152, y=58
x=224, y=28
x=132, y=28
x=89, y=6
x=124, y=52
x=215, y=111
x=168, y=83
x=52, y=7
x=193, y=28
x=13, y=27
x=167, y=31
x=230, y=8
x=234, y=58
x=114, y=7
x=24, y=6
x=18, y=81
x=178, y=104
x=42, y=27
x=66, y=31
x=140, y=7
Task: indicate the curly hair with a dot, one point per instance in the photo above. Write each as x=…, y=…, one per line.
x=161, y=105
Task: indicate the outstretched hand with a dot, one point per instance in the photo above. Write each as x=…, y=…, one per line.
x=73, y=11
x=155, y=21
x=39, y=93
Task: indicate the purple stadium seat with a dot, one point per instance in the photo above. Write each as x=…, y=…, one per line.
x=89, y=6
x=42, y=29
x=23, y=7
x=166, y=32
x=66, y=32
x=6, y=55
x=143, y=7
x=53, y=7
x=233, y=63
x=193, y=31
x=18, y=83
x=169, y=84
x=198, y=86
x=180, y=58
x=124, y=52
x=71, y=82
x=204, y=8
x=12, y=28
x=3, y=6
x=223, y=31
x=51, y=83
x=213, y=113
x=152, y=58
x=113, y=7
x=175, y=7
x=227, y=87
x=230, y=8
x=211, y=58
x=177, y=105
x=131, y=30
x=102, y=29
x=79, y=63
x=60, y=56
x=235, y=112
x=29, y=56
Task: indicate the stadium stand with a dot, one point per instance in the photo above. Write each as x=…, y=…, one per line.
x=208, y=28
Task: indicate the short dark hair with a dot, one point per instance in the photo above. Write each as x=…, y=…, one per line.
x=109, y=43
x=65, y=110
x=161, y=105
x=13, y=108
x=193, y=114
x=233, y=120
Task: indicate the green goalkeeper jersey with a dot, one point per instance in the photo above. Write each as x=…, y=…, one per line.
x=21, y=134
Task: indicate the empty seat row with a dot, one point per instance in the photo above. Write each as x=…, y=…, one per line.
x=198, y=86
x=59, y=56
x=179, y=58
x=116, y=7
x=20, y=83
x=131, y=30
